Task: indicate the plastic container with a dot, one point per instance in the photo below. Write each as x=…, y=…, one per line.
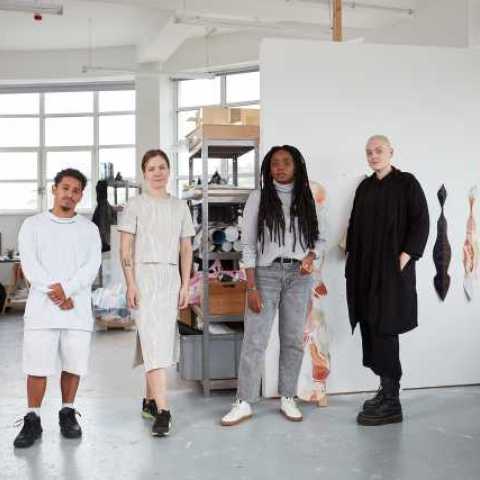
x=224, y=356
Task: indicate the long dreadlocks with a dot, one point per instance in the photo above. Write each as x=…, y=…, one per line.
x=302, y=209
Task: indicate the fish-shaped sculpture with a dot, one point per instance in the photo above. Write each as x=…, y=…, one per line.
x=470, y=247
x=442, y=252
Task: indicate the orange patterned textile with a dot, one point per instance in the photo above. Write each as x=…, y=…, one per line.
x=316, y=362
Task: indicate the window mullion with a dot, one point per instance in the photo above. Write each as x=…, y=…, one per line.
x=96, y=147
x=223, y=90
x=42, y=161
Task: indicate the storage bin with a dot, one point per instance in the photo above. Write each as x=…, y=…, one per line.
x=224, y=356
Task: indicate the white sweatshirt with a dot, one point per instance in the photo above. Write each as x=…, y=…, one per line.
x=65, y=251
x=252, y=249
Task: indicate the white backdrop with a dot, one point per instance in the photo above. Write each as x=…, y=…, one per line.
x=327, y=99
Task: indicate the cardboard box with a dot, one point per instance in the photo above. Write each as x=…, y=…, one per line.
x=226, y=298
x=214, y=115
x=222, y=132
x=244, y=116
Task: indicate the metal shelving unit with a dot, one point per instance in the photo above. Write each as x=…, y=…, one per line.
x=122, y=184
x=225, y=149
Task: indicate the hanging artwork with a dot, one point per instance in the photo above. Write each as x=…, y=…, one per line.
x=470, y=247
x=316, y=361
x=442, y=252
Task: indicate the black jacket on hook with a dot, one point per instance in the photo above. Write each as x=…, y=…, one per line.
x=104, y=215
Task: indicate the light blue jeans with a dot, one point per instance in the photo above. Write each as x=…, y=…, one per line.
x=282, y=288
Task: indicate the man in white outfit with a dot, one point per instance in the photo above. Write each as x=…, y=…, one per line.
x=60, y=253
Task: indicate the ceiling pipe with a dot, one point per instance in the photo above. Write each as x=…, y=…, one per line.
x=362, y=5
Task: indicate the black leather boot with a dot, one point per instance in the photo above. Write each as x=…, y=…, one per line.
x=389, y=410
x=375, y=401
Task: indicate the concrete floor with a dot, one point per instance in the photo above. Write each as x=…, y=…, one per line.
x=440, y=438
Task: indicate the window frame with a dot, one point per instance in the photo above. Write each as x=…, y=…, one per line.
x=42, y=149
x=223, y=103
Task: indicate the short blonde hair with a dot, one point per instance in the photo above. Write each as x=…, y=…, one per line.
x=381, y=138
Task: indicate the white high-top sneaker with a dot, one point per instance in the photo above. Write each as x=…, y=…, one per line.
x=289, y=408
x=240, y=411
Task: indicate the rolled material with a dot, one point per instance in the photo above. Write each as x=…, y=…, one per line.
x=227, y=246
x=231, y=234
x=237, y=245
x=217, y=236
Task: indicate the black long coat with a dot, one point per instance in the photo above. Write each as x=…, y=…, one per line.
x=389, y=216
x=104, y=215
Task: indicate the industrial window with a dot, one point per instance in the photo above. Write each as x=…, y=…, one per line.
x=49, y=128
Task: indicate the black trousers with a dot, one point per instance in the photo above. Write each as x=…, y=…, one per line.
x=381, y=353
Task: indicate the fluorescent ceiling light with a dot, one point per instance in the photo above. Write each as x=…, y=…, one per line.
x=150, y=73
x=31, y=7
x=364, y=5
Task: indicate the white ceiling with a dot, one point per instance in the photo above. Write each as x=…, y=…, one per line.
x=140, y=22
x=112, y=24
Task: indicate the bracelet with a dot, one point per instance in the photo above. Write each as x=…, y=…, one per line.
x=252, y=289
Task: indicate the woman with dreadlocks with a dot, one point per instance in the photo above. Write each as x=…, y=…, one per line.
x=282, y=236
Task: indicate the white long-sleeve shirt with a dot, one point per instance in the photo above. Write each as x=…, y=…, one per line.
x=252, y=249
x=65, y=251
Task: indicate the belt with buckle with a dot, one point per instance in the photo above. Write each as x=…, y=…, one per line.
x=286, y=260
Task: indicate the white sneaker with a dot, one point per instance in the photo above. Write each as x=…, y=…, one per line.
x=240, y=411
x=289, y=408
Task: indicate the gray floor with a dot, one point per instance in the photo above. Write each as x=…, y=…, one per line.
x=440, y=438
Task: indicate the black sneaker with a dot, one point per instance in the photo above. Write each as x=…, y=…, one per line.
x=163, y=423
x=149, y=409
x=68, y=423
x=31, y=431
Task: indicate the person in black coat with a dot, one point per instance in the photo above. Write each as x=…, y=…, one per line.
x=387, y=234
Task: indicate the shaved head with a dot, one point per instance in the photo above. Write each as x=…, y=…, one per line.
x=379, y=153
x=380, y=138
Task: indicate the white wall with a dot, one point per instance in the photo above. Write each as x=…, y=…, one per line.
x=474, y=23
x=328, y=99
x=62, y=65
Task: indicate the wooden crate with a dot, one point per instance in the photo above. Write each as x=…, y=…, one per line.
x=226, y=298
x=187, y=317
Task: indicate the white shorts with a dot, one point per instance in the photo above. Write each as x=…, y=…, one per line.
x=47, y=351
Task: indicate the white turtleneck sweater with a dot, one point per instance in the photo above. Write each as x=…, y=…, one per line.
x=65, y=251
x=252, y=249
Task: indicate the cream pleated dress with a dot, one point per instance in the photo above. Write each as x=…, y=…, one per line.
x=158, y=226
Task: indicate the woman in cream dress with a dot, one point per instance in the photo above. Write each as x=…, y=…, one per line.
x=156, y=231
